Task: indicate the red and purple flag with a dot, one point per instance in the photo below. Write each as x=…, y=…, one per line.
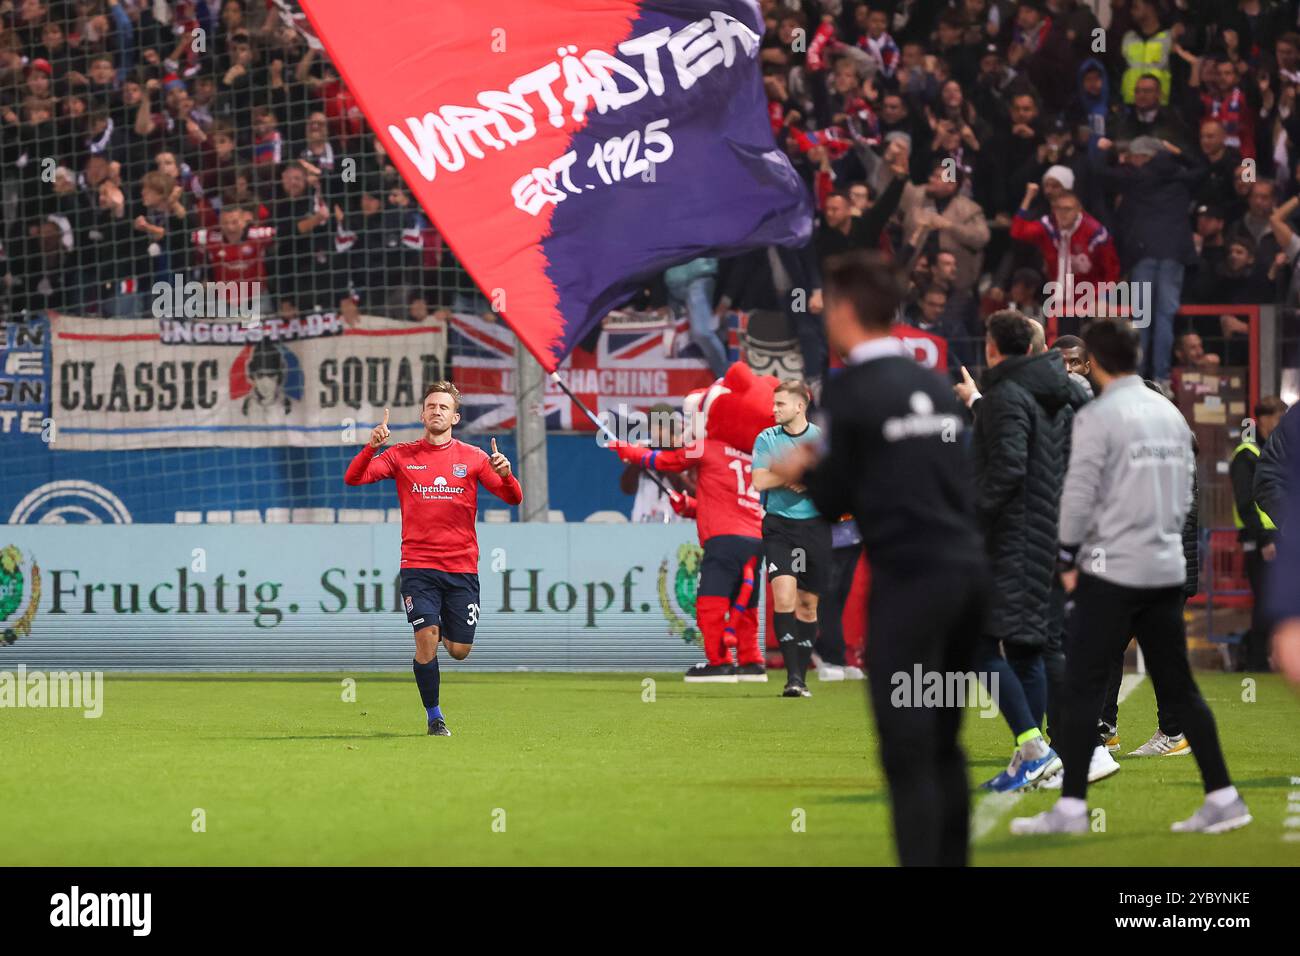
x=571, y=150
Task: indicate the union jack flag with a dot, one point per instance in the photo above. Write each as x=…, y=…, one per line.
x=639, y=361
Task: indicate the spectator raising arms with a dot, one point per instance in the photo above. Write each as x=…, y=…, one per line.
x=1076, y=249
x=1157, y=184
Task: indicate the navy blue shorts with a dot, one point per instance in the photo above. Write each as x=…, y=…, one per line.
x=444, y=599
x=722, y=568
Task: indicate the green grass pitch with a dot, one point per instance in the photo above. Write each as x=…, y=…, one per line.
x=565, y=769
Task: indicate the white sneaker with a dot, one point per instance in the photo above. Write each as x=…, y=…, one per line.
x=1210, y=818
x=1050, y=821
x=853, y=673
x=828, y=672
x=1101, y=766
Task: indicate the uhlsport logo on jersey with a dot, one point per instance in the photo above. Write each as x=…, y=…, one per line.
x=19, y=581
x=677, y=592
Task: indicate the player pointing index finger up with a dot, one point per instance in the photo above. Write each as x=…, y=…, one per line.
x=379, y=434
x=437, y=486
x=500, y=464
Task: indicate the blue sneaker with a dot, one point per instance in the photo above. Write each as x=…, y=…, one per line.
x=1023, y=774
x=1036, y=771
x=1002, y=783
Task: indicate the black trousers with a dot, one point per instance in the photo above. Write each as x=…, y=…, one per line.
x=1254, y=650
x=1165, y=718
x=1105, y=616
x=928, y=617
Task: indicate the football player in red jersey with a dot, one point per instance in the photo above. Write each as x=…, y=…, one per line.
x=437, y=486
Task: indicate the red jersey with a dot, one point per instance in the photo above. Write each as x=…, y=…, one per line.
x=240, y=261
x=437, y=487
x=726, y=502
x=1089, y=247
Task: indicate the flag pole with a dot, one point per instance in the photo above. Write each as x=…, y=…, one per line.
x=609, y=435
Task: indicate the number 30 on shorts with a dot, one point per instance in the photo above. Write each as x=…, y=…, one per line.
x=473, y=615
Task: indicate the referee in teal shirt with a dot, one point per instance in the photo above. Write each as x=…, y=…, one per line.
x=796, y=538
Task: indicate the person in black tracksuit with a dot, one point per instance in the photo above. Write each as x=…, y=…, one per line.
x=896, y=461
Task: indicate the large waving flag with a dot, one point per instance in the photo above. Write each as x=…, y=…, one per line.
x=568, y=150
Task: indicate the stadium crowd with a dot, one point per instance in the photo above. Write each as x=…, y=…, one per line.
x=992, y=147
x=141, y=140
x=989, y=146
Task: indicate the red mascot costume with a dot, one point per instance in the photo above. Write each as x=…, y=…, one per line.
x=722, y=423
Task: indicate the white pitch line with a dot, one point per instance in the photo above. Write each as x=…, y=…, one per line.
x=990, y=810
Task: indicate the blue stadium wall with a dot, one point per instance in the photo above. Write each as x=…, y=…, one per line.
x=154, y=485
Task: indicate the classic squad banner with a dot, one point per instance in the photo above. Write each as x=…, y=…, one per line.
x=125, y=384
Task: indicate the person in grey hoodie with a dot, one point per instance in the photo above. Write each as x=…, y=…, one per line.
x=1126, y=496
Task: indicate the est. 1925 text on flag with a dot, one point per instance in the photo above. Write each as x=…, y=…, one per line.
x=569, y=150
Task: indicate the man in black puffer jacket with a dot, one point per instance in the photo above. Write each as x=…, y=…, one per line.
x=1021, y=441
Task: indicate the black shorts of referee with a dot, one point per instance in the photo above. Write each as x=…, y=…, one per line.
x=800, y=547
